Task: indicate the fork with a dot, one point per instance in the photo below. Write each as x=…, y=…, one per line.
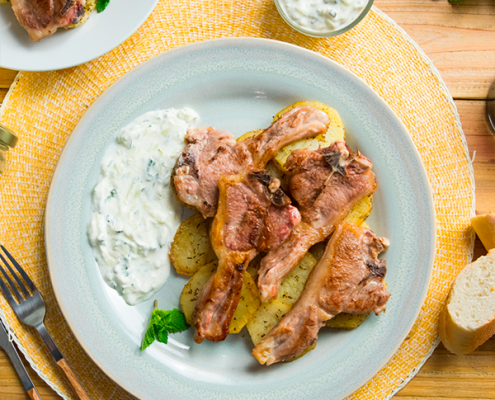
x=31, y=310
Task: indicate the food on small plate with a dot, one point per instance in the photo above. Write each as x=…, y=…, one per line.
x=484, y=225
x=326, y=184
x=212, y=154
x=348, y=278
x=253, y=213
x=42, y=18
x=468, y=318
x=134, y=213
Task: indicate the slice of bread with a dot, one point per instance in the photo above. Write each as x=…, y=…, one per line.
x=468, y=319
x=484, y=225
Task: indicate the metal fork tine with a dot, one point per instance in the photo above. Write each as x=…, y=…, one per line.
x=6, y=293
x=18, y=280
x=21, y=271
x=12, y=286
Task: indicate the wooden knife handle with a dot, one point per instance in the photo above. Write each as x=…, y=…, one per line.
x=73, y=380
x=33, y=394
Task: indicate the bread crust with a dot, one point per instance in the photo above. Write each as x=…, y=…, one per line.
x=458, y=339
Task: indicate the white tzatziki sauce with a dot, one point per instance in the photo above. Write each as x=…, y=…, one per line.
x=134, y=212
x=321, y=16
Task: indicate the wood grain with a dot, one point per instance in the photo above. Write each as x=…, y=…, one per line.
x=460, y=40
x=6, y=77
x=81, y=393
x=3, y=93
x=33, y=394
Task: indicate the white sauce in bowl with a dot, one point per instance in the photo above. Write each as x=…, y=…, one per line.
x=321, y=16
x=134, y=212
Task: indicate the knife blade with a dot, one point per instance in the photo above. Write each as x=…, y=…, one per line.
x=11, y=351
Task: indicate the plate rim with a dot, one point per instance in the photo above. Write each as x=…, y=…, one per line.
x=69, y=64
x=429, y=194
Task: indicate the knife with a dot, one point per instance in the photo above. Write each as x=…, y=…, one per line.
x=9, y=348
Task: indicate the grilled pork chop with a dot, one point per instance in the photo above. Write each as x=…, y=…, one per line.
x=41, y=18
x=212, y=154
x=348, y=278
x=326, y=183
x=253, y=212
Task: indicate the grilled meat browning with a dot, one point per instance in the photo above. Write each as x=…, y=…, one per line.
x=253, y=212
x=348, y=278
x=212, y=154
x=326, y=183
x=41, y=18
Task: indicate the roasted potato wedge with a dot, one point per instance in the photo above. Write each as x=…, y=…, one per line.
x=270, y=313
x=191, y=248
x=346, y=321
x=190, y=293
x=249, y=134
x=360, y=211
x=335, y=132
x=89, y=7
x=357, y=216
x=247, y=307
x=248, y=304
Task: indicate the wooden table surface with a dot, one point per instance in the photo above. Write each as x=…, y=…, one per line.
x=460, y=40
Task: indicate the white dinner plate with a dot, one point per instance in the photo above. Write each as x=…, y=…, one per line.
x=238, y=85
x=101, y=33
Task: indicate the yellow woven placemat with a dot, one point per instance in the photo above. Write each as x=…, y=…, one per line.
x=45, y=107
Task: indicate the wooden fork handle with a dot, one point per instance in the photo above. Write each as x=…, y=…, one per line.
x=33, y=394
x=73, y=380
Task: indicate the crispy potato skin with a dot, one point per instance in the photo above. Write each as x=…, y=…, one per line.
x=248, y=303
x=191, y=248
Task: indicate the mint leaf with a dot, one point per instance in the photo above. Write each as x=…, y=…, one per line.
x=101, y=5
x=162, y=336
x=149, y=337
x=175, y=321
x=161, y=324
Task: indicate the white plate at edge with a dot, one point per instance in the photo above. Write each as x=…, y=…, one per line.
x=101, y=33
x=238, y=85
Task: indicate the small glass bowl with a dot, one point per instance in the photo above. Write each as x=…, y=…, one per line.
x=325, y=34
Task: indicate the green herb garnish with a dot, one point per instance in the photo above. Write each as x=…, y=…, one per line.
x=161, y=324
x=101, y=5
